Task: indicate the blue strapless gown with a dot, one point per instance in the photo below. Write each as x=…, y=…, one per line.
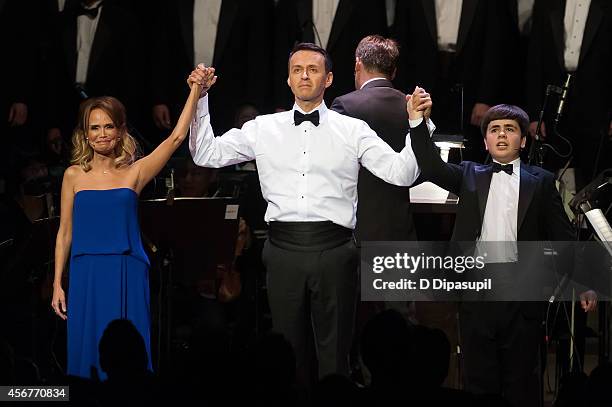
x=109, y=274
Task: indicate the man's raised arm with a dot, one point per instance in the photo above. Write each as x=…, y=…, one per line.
x=233, y=147
x=395, y=168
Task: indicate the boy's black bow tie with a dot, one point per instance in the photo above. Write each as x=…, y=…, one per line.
x=507, y=168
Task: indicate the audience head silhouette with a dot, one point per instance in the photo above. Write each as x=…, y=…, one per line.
x=431, y=350
x=122, y=350
x=598, y=386
x=385, y=348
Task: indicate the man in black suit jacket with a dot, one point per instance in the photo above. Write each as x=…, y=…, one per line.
x=17, y=45
x=17, y=89
x=587, y=125
x=113, y=62
x=383, y=210
x=499, y=340
x=294, y=23
x=516, y=27
x=472, y=61
x=242, y=51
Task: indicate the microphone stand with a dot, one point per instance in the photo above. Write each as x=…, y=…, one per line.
x=536, y=150
x=563, y=96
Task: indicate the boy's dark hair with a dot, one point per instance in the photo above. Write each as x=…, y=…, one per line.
x=308, y=46
x=503, y=112
x=378, y=54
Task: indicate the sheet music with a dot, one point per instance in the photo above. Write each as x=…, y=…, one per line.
x=428, y=192
x=601, y=226
x=231, y=211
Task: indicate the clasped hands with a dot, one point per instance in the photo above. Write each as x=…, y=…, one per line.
x=204, y=77
x=418, y=105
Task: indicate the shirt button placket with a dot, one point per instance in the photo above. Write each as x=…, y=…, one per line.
x=302, y=178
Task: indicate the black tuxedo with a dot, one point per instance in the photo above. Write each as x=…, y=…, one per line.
x=383, y=210
x=242, y=57
x=506, y=364
x=115, y=61
x=17, y=84
x=20, y=54
x=354, y=20
x=514, y=42
x=589, y=104
x=540, y=212
x=475, y=64
x=17, y=44
x=476, y=55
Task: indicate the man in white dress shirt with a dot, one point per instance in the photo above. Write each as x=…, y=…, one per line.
x=308, y=160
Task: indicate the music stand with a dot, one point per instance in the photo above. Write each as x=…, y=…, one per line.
x=194, y=232
x=30, y=260
x=37, y=248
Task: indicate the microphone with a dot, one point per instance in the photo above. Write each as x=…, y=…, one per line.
x=50, y=204
x=550, y=89
x=315, y=32
x=563, y=97
x=81, y=91
x=559, y=289
x=171, y=192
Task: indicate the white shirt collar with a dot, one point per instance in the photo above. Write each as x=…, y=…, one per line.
x=373, y=79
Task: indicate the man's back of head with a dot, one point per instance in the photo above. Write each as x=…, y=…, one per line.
x=375, y=56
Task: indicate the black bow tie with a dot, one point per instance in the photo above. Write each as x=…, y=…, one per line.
x=313, y=117
x=507, y=168
x=89, y=12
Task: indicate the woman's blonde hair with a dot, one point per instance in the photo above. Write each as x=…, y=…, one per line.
x=126, y=150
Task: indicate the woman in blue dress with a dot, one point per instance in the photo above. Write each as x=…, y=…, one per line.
x=99, y=228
